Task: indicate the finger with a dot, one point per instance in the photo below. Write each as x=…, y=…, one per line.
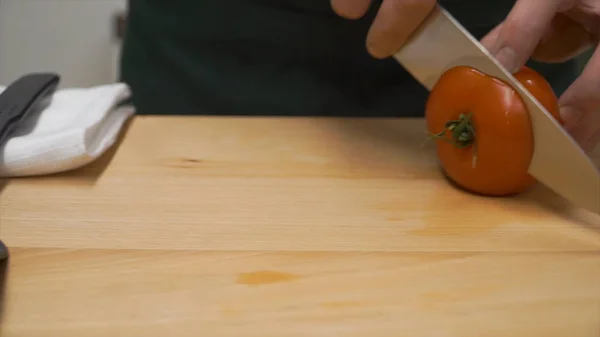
x=521, y=32
x=490, y=38
x=580, y=105
x=564, y=40
x=350, y=9
x=394, y=23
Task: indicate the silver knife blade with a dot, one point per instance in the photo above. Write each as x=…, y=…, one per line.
x=441, y=43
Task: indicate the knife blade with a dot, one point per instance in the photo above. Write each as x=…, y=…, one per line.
x=441, y=43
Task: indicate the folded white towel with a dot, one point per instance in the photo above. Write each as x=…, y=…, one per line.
x=76, y=128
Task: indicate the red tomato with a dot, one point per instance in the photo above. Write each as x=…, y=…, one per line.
x=482, y=129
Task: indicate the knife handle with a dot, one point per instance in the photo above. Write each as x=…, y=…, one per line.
x=3, y=252
x=22, y=97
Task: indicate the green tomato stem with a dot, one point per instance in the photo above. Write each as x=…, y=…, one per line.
x=462, y=135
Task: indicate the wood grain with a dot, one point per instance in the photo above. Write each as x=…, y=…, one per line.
x=290, y=227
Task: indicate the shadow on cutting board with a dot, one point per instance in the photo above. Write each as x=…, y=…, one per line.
x=397, y=141
x=90, y=173
x=394, y=140
x=551, y=201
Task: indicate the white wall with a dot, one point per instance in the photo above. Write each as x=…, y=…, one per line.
x=70, y=37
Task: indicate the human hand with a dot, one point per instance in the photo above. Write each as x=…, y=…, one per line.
x=392, y=26
x=554, y=31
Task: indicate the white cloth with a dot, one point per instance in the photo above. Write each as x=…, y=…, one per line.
x=73, y=130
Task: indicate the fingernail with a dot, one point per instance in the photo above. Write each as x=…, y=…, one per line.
x=570, y=116
x=376, y=52
x=507, y=57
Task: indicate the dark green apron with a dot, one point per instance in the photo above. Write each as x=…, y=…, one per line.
x=276, y=57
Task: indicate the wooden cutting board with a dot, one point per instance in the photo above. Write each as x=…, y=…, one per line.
x=289, y=227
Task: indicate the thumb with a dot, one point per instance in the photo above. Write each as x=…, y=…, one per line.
x=514, y=40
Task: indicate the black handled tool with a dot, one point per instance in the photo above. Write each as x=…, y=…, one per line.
x=3, y=251
x=21, y=98
x=17, y=102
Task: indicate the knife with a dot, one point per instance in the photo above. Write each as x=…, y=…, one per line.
x=3, y=253
x=441, y=43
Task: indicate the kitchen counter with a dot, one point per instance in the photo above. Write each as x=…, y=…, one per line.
x=265, y=227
